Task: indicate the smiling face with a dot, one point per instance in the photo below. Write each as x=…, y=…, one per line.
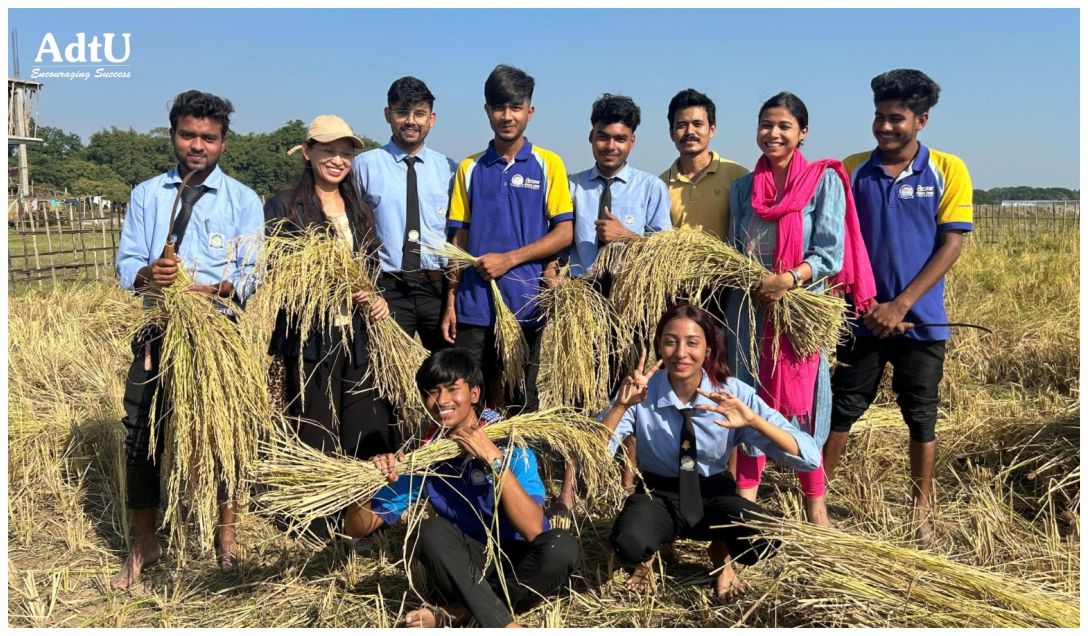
x=509, y=121
x=197, y=143
x=331, y=161
x=452, y=403
x=611, y=143
x=692, y=131
x=778, y=134
x=684, y=348
x=410, y=124
x=896, y=128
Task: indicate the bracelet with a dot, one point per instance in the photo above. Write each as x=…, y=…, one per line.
x=796, y=277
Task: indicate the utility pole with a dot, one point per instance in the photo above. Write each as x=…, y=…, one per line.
x=20, y=94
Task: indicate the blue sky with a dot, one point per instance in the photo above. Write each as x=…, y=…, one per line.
x=1010, y=77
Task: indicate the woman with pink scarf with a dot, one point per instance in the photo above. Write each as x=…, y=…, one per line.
x=797, y=218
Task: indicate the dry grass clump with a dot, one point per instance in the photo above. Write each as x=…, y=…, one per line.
x=312, y=275
x=216, y=406
x=680, y=263
x=307, y=484
x=854, y=580
x=575, y=348
x=509, y=338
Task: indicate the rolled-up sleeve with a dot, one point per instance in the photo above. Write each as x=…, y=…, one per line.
x=809, y=456
x=658, y=217
x=132, y=252
x=250, y=235
x=825, y=250
x=625, y=428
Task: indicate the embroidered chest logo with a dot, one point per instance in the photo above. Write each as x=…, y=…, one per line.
x=924, y=192
x=906, y=191
x=629, y=219
x=520, y=181
x=216, y=241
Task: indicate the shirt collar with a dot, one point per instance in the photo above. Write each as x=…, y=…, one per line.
x=662, y=394
x=399, y=154
x=623, y=175
x=213, y=181
x=715, y=160
x=921, y=159
x=491, y=156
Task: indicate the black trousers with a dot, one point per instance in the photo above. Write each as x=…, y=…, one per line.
x=646, y=522
x=480, y=342
x=141, y=469
x=917, y=368
x=417, y=307
x=531, y=570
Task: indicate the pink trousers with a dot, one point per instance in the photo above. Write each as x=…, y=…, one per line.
x=750, y=473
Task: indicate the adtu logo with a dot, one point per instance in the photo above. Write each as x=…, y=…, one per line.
x=76, y=51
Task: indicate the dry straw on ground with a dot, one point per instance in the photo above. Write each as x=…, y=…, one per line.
x=215, y=408
x=1007, y=502
x=312, y=275
x=682, y=263
x=576, y=346
x=509, y=338
x=307, y=484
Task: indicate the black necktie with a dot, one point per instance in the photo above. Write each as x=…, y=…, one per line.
x=410, y=254
x=691, y=500
x=605, y=202
x=189, y=197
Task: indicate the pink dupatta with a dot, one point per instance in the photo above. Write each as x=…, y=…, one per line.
x=789, y=388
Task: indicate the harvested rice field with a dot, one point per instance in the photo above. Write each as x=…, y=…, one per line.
x=1007, y=518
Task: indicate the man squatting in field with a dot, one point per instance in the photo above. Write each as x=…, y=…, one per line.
x=536, y=561
x=914, y=205
x=215, y=211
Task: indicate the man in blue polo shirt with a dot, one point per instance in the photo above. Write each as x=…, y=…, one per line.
x=914, y=205
x=490, y=495
x=613, y=199
x=407, y=185
x=511, y=208
x=216, y=232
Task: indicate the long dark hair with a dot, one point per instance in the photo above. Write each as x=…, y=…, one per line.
x=716, y=363
x=305, y=209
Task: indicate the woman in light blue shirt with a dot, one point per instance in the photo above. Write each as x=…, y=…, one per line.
x=818, y=255
x=688, y=414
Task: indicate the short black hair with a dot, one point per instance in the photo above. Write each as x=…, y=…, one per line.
x=914, y=88
x=690, y=97
x=790, y=102
x=409, y=90
x=201, y=106
x=610, y=109
x=448, y=365
x=508, y=85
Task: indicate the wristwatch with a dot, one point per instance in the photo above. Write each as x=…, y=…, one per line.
x=496, y=466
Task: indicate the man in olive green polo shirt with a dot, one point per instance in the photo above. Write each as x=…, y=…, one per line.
x=699, y=180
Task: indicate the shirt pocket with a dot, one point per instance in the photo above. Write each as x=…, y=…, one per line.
x=434, y=210
x=632, y=217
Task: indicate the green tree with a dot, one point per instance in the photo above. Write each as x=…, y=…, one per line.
x=133, y=156
x=47, y=160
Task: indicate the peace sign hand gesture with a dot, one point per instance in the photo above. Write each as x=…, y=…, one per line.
x=735, y=412
x=636, y=385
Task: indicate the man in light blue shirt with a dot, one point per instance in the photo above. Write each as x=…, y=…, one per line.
x=216, y=232
x=407, y=185
x=613, y=199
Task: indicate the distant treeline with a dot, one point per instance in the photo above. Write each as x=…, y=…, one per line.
x=1025, y=193
x=115, y=160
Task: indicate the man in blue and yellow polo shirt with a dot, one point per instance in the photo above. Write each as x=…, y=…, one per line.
x=511, y=207
x=914, y=205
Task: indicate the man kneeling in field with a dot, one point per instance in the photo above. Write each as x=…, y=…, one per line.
x=452, y=545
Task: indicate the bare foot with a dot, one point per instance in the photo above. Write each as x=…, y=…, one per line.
x=923, y=529
x=727, y=585
x=434, y=616
x=228, y=549
x=142, y=554
x=641, y=580
x=816, y=511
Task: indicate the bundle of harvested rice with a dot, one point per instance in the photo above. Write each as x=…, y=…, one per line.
x=215, y=409
x=307, y=484
x=311, y=275
x=851, y=580
x=509, y=339
x=679, y=263
x=575, y=347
